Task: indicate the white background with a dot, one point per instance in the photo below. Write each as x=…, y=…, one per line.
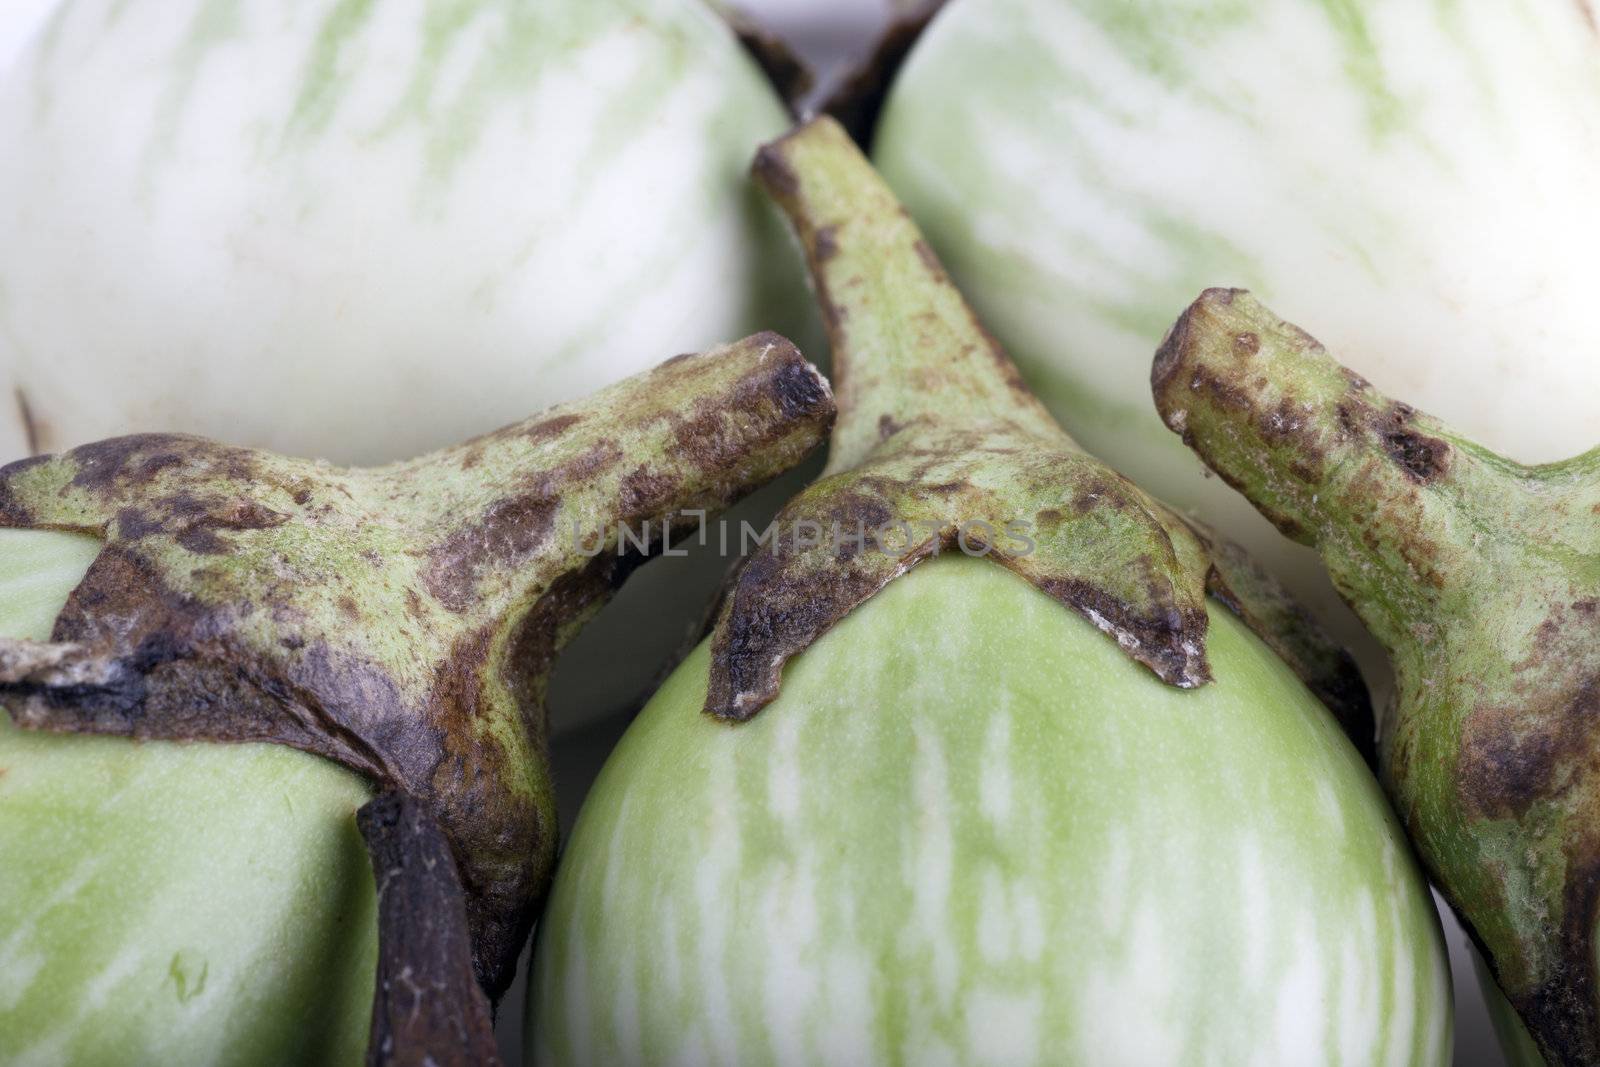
x=828, y=33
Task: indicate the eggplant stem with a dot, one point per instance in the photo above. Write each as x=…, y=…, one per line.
x=427, y=1007
x=402, y=620
x=906, y=345
x=939, y=444
x=1481, y=576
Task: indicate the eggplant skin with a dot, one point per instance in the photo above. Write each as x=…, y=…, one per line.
x=1083, y=168
x=166, y=903
x=971, y=830
x=366, y=231
x=181, y=903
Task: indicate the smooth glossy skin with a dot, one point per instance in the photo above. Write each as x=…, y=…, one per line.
x=1414, y=177
x=360, y=231
x=171, y=904
x=971, y=831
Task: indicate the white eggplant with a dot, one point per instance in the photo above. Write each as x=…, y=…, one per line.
x=1416, y=178
x=362, y=231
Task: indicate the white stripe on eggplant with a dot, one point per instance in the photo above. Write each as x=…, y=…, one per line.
x=1152, y=838
x=1411, y=179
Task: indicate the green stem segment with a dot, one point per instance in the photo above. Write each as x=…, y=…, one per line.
x=400, y=621
x=940, y=446
x=906, y=346
x=1482, y=578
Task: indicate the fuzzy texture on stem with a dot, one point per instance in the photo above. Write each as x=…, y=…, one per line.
x=1482, y=578
x=401, y=620
x=938, y=445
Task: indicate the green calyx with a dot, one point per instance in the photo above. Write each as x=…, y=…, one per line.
x=401, y=620
x=939, y=446
x=1481, y=576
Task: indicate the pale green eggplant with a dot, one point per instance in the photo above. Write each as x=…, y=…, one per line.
x=1052, y=806
x=174, y=891
x=1412, y=176
x=1481, y=578
x=363, y=231
x=171, y=903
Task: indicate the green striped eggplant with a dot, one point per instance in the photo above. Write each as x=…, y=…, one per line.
x=1413, y=176
x=1052, y=806
x=211, y=657
x=1481, y=578
x=362, y=231
x=171, y=903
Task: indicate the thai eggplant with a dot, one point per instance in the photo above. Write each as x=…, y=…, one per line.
x=1414, y=177
x=360, y=232
x=364, y=231
x=1049, y=806
x=236, y=650
x=1481, y=577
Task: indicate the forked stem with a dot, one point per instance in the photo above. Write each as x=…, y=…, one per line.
x=906, y=345
x=940, y=446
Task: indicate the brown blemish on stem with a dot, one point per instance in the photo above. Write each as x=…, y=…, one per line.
x=641, y=488
x=825, y=244
x=226, y=606
x=13, y=512
x=771, y=168
x=555, y=426
x=202, y=535
x=1513, y=757
x=939, y=438
x=138, y=460
x=1422, y=457
x=508, y=532
x=798, y=390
